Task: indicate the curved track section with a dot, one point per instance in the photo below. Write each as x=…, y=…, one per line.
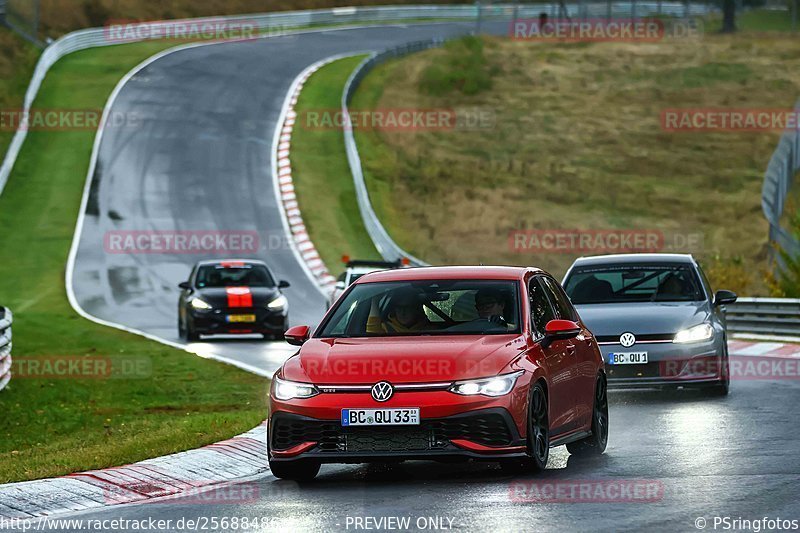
x=196, y=155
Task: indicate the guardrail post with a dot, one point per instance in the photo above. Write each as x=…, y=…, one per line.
x=5, y=346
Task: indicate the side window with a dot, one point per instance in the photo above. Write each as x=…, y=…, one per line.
x=560, y=301
x=541, y=311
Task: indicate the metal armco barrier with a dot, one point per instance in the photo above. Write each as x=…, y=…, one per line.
x=272, y=24
x=778, y=179
x=775, y=316
x=5, y=347
x=388, y=249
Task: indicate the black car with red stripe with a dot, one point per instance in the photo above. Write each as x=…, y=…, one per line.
x=232, y=297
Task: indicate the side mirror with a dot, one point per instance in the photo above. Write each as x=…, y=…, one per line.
x=724, y=297
x=340, y=285
x=282, y=284
x=297, y=335
x=561, y=329
x=185, y=285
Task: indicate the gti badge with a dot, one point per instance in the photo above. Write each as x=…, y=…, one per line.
x=382, y=391
x=627, y=340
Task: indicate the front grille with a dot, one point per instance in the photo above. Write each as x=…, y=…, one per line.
x=489, y=429
x=639, y=338
x=387, y=440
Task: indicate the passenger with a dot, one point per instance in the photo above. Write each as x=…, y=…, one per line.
x=406, y=314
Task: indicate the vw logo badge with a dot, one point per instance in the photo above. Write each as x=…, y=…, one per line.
x=627, y=340
x=382, y=391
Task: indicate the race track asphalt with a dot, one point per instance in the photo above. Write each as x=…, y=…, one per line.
x=200, y=160
x=734, y=457
x=193, y=153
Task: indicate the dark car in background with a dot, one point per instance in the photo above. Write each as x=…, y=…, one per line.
x=655, y=317
x=232, y=297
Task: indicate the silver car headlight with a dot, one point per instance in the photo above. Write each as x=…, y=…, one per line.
x=496, y=386
x=197, y=303
x=700, y=332
x=289, y=390
x=278, y=303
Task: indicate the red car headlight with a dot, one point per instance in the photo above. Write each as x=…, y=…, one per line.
x=495, y=386
x=290, y=390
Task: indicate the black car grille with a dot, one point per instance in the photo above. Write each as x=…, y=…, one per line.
x=490, y=429
x=639, y=338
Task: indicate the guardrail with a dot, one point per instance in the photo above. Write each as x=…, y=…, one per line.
x=778, y=179
x=383, y=242
x=275, y=23
x=769, y=316
x=5, y=347
x=388, y=249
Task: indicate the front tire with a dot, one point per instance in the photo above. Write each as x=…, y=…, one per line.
x=191, y=334
x=538, y=435
x=596, y=443
x=299, y=470
x=724, y=385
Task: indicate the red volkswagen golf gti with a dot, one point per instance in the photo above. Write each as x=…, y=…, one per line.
x=441, y=363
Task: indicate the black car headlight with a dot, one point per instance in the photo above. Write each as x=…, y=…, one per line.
x=200, y=305
x=278, y=303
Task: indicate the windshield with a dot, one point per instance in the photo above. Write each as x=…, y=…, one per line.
x=445, y=307
x=211, y=276
x=633, y=283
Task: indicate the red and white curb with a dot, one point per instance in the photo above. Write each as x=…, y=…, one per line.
x=775, y=350
x=172, y=475
x=298, y=233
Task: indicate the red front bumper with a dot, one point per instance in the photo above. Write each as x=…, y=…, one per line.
x=451, y=425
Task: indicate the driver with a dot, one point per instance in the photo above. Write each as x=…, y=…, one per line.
x=490, y=305
x=406, y=314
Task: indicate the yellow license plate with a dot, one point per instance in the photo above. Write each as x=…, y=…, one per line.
x=241, y=318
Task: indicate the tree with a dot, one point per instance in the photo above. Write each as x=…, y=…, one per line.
x=728, y=16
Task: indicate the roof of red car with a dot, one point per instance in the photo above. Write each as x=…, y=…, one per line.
x=447, y=272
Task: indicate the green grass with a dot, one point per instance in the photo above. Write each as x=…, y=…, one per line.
x=17, y=61
x=756, y=20
x=53, y=427
x=323, y=182
x=577, y=143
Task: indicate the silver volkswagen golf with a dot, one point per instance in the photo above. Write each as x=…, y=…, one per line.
x=655, y=318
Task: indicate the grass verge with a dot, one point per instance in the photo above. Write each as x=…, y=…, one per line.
x=323, y=183
x=576, y=143
x=52, y=427
x=17, y=60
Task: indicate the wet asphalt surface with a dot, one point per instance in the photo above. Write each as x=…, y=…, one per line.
x=698, y=456
x=193, y=153
x=201, y=160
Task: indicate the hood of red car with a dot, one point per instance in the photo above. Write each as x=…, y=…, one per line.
x=403, y=359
